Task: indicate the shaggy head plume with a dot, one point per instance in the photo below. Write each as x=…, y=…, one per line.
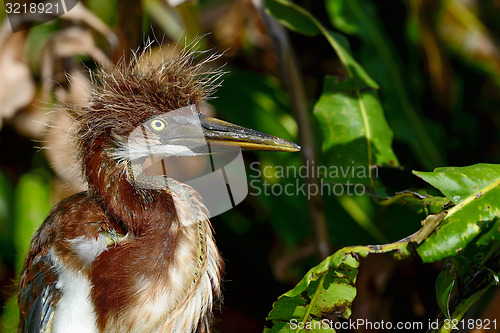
x=130, y=93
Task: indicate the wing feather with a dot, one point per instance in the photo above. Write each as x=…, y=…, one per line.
x=38, y=294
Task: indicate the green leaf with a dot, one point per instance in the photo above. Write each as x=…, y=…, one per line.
x=384, y=64
x=475, y=190
x=292, y=16
x=355, y=132
x=298, y=19
x=459, y=183
x=326, y=289
x=444, y=285
x=471, y=280
x=347, y=17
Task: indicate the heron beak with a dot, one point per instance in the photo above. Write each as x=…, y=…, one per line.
x=223, y=133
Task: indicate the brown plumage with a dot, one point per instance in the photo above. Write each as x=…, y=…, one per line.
x=121, y=257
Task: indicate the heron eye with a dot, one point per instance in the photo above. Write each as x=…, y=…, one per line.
x=158, y=125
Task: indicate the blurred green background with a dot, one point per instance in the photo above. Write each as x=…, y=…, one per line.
x=437, y=65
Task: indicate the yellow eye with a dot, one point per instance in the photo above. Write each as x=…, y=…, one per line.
x=158, y=125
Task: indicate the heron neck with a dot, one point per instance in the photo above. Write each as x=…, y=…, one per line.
x=138, y=209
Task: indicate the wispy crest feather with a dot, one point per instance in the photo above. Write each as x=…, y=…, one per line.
x=146, y=86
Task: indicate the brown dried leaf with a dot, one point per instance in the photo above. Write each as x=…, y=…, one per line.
x=60, y=148
x=59, y=140
x=31, y=122
x=17, y=87
x=74, y=41
x=66, y=43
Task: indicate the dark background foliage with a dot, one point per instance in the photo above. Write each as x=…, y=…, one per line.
x=436, y=60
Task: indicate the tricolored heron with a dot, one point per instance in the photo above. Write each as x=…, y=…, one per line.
x=118, y=257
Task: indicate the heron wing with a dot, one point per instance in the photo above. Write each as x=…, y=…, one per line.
x=38, y=294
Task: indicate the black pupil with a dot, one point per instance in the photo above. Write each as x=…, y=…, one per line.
x=157, y=124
